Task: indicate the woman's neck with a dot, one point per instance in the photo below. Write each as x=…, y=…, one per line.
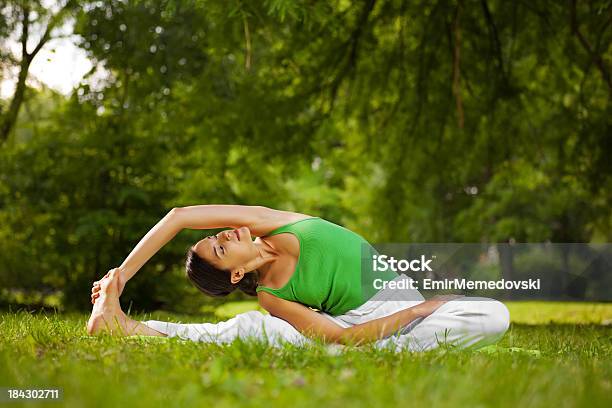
x=265, y=259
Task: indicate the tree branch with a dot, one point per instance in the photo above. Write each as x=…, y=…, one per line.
x=53, y=22
x=353, y=50
x=9, y=119
x=25, y=32
x=597, y=58
x=494, y=37
x=247, y=40
x=457, y=64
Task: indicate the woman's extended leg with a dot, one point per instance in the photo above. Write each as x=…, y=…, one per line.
x=107, y=316
x=253, y=324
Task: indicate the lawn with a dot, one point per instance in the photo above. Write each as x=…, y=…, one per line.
x=561, y=358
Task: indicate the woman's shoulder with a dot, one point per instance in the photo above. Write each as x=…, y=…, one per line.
x=275, y=219
x=295, y=217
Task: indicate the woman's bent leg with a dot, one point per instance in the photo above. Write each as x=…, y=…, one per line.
x=466, y=322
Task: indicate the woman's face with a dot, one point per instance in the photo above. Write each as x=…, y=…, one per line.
x=228, y=249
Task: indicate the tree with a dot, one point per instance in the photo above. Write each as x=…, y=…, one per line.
x=425, y=121
x=26, y=16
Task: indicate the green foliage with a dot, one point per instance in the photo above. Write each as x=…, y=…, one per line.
x=405, y=121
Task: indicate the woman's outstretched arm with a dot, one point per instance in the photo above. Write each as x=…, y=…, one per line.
x=153, y=241
x=259, y=220
x=312, y=324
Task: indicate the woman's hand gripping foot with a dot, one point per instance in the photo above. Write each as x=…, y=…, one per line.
x=106, y=315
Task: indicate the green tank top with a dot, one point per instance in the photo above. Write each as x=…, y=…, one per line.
x=334, y=268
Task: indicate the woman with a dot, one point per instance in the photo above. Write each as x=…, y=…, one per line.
x=296, y=263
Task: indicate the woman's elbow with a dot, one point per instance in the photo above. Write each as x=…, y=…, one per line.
x=175, y=213
x=328, y=337
x=352, y=336
x=341, y=336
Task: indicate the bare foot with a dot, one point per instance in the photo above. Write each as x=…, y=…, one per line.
x=106, y=315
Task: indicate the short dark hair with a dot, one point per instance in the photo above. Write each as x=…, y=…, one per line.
x=213, y=281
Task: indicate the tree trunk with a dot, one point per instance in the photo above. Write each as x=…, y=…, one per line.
x=10, y=118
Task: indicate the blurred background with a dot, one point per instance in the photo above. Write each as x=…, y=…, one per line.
x=426, y=121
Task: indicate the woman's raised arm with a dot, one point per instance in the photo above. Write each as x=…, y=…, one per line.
x=259, y=220
x=153, y=241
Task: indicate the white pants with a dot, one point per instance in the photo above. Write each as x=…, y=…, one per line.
x=466, y=322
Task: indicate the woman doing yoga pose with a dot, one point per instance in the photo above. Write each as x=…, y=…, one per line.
x=304, y=270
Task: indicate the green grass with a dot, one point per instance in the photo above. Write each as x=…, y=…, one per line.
x=573, y=366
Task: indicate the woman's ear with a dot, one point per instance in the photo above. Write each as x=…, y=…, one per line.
x=236, y=275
